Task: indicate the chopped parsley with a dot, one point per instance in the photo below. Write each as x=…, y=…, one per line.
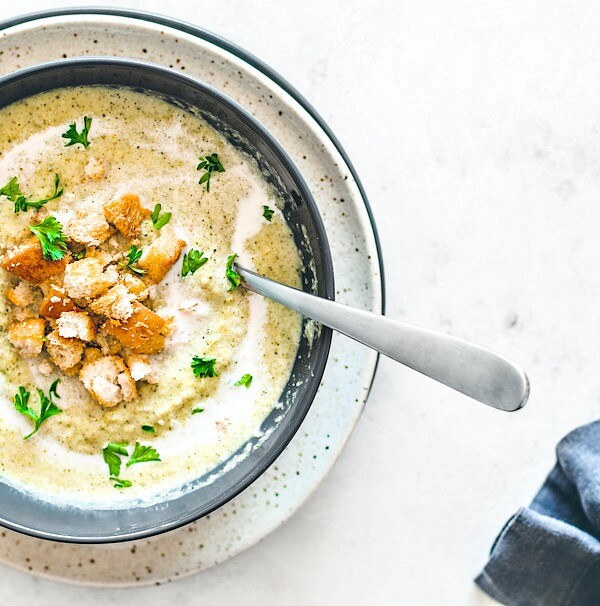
x=231, y=274
x=120, y=482
x=210, y=164
x=192, y=261
x=74, y=137
x=47, y=407
x=197, y=411
x=245, y=380
x=148, y=429
x=143, y=454
x=51, y=237
x=268, y=213
x=204, y=367
x=112, y=454
x=77, y=256
x=133, y=256
x=13, y=193
x=159, y=220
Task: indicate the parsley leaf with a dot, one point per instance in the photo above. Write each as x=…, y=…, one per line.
x=245, y=380
x=148, y=429
x=112, y=456
x=231, y=274
x=192, y=261
x=159, y=221
x=53, y=241
x=204, y=367
x=197, y=410
x=211, y=164
x=78, y=138
x=47, y=407
x=120, y=482
x=133, y=256
x=13, y=192
x=143, y=454
x=268, y=213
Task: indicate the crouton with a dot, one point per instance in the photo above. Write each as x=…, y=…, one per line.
x=108, y=380
x=161, y=255
x=144, y=332
x=136, y=286
x=28, y=336
x=116, y=303
x=27, y=262
x=65, y=353
x=76, y=325
x=126, y=214
x=86, y=225
x=55, y=303
x=46, y=368
x=94, y=170
x=140, y=368
x=87, y=278
x=91, y=354
x=109, y=345
x=22, y=294
x=97, y=253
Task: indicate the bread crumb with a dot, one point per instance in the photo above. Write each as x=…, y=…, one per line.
x=87, y=278
x=22, y=294
x=76, y=325
x=108, y=380
x=65, y=353
x=116, y=303
x=28, y=336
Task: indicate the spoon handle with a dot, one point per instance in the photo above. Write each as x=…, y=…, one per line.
x=473, y=370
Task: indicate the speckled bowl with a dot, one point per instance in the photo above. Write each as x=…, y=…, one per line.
x=55, y=520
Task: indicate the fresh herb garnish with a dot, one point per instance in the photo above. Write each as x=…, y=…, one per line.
x=143, y=454
x=78, y=138
x=197, y=410
x=77, y=256
x=148, y=429
x=159, y=220
x=133, y=256
x=245, y=380
x=53, y=241
x=112, y=454
x=204, y=367
x=47, y=407
x=120, y=482
x=268, y=213
x=211, y=164
x=192, y=261
x=13, y=192
x=231, y=274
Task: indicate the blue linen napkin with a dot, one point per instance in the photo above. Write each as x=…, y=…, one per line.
x=548, y=554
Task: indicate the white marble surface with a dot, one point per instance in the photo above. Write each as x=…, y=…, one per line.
x=476, y=130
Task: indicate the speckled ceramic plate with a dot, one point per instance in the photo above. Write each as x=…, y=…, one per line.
x=359, y=282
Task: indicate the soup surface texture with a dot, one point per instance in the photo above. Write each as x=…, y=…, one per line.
x=165, y=368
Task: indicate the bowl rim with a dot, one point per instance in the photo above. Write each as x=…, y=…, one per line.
x=321, y=355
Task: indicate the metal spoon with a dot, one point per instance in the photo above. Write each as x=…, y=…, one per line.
x=473, y=370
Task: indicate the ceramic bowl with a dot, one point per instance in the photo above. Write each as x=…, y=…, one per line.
x=63, y=521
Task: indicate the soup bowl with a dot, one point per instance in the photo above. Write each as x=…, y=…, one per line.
x=60, y=519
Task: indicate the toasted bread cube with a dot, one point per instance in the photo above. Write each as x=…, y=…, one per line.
x=85, y=225
x=135, y=286
x=158, y=258
x=28, y=336
x=91, y=354
x=126, y=214
x=94, y=170
x=76, y=325
x=27, y=262
x=22, y=294
x=140, y=368
x=55, y=303
x=109, y=381
x=109, y=345
x=115, y=303
x=144, y=332
x=65, y=353
x=87, y=278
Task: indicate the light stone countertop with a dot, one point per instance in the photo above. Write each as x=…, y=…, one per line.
x=475, y=128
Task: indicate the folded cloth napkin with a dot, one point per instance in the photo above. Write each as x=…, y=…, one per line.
x=548, y=554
